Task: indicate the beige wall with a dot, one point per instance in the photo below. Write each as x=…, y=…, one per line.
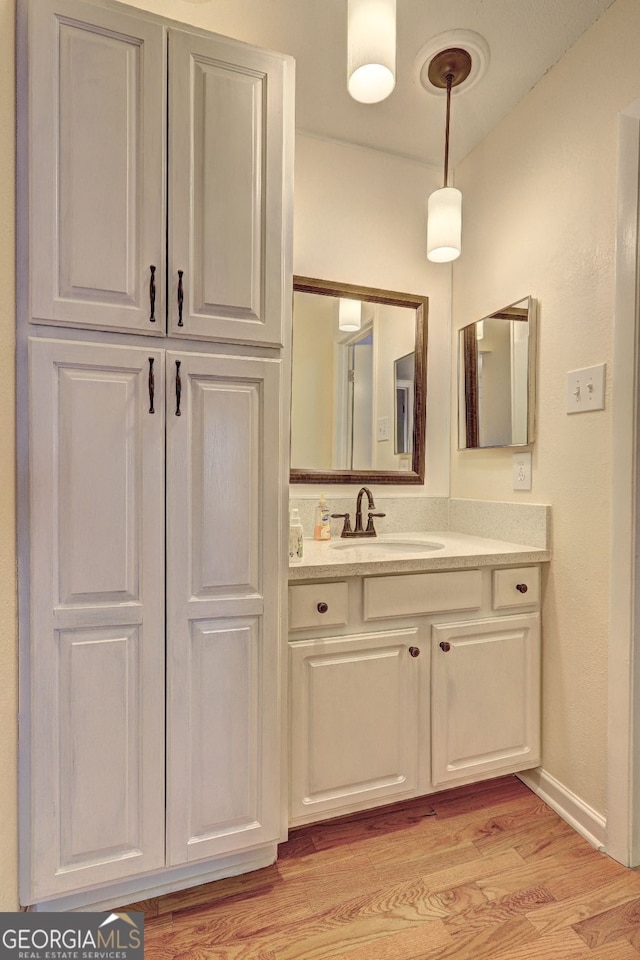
x=539, y=218
x=312, y=381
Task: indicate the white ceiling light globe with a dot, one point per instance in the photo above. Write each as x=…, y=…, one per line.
x=371, y=43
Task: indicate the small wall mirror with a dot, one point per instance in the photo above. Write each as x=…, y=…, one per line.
x=358, y=393
x=496, y=378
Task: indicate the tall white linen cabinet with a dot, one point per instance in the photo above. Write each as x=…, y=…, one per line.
x=155, y=171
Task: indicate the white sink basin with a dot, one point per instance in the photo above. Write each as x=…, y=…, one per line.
x=375, y=546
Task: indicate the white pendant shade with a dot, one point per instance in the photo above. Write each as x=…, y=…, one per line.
x=444, y=225
x=349, y=315
x=371, y=39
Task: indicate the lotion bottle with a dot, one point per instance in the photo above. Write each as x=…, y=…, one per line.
x=295, y=537
x=322, y=523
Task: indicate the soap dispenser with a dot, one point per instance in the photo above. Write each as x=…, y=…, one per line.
x=322, y=524
x=295, y=537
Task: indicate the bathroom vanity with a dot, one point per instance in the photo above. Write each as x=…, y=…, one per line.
x=412, y=668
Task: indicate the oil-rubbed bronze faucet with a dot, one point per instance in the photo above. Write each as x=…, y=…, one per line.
x=358, y=531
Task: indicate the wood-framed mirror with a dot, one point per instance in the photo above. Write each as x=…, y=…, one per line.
x=496, y=378
x=358, y=397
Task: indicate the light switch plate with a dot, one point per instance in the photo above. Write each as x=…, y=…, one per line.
x=585, y=389
x=522, y=470
x=383, y=428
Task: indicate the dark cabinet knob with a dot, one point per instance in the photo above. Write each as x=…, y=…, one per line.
x=521, y=587
x=414, y=651
x=322, y=607
x=445, y=646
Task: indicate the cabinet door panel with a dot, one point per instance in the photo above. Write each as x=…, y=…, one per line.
x=97, y=167
x=225, y=477
x=99, y=730
x=224, y=605
x=227, y=171
x=97, y=546
x=97, y=625
x=224, y=673
x=354, y=735
x=485, y=697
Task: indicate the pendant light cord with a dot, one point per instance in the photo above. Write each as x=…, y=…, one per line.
x=446, y=135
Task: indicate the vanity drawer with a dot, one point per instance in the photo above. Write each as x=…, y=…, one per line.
x=400, y=595
x=318, y=605
x=516, y=587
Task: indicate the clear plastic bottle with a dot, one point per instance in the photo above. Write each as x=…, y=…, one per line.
x=295, y=537
x=322, y=524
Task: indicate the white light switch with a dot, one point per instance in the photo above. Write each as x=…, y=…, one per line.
x=585, y=389
x=522, y=470
x=383, y=428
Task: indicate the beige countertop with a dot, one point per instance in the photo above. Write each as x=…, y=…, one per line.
x=396, y=553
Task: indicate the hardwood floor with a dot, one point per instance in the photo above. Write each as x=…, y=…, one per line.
x=485, y=872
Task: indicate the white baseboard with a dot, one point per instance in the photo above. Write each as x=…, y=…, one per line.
x=584, y=819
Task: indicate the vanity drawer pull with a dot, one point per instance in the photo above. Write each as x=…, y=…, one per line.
x=445, y=646
x=414, y=651
x=515, y=587
x=313, y=605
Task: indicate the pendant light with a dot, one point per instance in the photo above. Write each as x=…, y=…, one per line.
x=371, y=49
x=444, y=218
x=349, y=315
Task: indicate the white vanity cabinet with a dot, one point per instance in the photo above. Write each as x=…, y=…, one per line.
x=485, y=701
x=418, y=681
x=354, y=720
x=119, y=174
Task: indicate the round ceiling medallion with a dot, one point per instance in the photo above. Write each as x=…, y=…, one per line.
x=467, y=43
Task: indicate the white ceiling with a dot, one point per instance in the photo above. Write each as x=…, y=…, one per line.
x=525, y=38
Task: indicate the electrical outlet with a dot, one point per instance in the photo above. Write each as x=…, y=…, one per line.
x=522, y=470
x=585, y=389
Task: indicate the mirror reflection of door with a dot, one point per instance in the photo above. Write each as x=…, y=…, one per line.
x=404, y=386
x=352, y=424
x=361, y=394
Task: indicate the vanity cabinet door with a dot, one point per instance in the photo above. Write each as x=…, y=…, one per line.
x=485, y=698
x=94, y=751
x=97, y=149
x=229, y=161
x=354, y=722
x=225, y=564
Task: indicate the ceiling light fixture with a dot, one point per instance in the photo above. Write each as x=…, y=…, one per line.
x=371, y=49
x=444, y=224
x=349, y=315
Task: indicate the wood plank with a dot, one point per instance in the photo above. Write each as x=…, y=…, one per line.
x=559, y=875
x=210, y=893
x=492, y=912
x=614, y=924
x=476, y=871
x=485, y=943
x=564, y=913
x=565, y=945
